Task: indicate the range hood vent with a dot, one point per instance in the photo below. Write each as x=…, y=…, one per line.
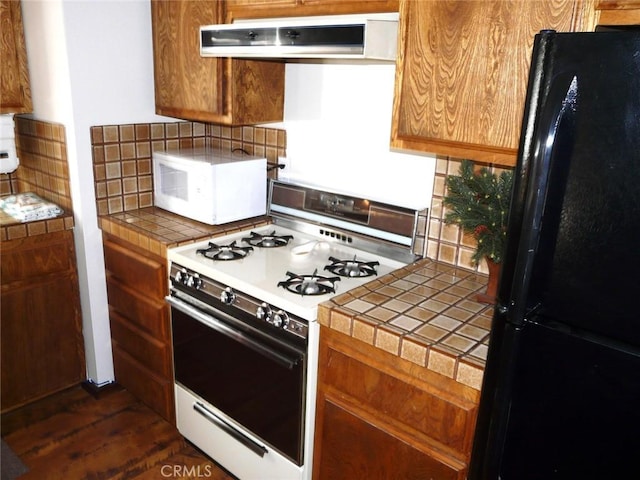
x=371, y=37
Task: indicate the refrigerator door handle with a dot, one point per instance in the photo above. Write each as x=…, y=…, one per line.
x=561, y=102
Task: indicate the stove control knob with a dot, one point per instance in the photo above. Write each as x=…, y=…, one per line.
x=194, y=281
x=227, y=296
x=263, y=312
x=181, y=276
x=280, y=319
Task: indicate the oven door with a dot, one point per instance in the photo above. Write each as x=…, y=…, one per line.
x=254, y=380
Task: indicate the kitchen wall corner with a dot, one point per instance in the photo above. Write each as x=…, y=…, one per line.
x=448, y=243
x=43, y=165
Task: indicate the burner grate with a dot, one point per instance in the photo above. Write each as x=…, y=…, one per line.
x=267, y=241
x=352, y=268
x=309, y=284
x=224, y=252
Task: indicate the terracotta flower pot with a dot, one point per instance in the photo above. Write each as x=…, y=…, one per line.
x=492, y=286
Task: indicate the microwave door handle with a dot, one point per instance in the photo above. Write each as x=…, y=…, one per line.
x=232, y=333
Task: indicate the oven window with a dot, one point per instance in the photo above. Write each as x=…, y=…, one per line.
x=261, y=394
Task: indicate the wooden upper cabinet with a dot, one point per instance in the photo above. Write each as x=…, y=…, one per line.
x=219, y=90
x=618, y=12
x=14, y=74
x=299, y=8
x=462, y=72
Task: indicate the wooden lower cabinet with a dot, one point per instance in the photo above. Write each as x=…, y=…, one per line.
x=380, y=417
x=41, y=331
x=140, y=326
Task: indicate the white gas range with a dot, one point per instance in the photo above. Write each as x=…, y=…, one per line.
x=244, y=309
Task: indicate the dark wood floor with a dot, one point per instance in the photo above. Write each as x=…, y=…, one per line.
x=74, y=435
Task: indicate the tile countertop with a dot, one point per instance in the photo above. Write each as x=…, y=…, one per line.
x=12, y=229
x=425, y=313
x=155, y=229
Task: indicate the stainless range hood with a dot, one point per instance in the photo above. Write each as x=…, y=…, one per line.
x=372, y=36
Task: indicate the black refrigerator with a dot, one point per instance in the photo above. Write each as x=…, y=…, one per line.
x=561, y=392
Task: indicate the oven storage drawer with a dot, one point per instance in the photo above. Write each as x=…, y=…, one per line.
x=225, y=448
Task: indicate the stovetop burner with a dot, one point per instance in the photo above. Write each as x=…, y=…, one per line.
x=352, y=268
x=224, y=252
x=309, y=284
x=268, y=240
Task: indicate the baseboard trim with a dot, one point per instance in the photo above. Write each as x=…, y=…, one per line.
x=98, y=391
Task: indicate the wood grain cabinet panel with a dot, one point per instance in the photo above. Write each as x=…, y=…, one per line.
x=219, y=90
x=462, y=72
x=15, y=88
x=300, y=8
x=137, y=282
x=156, y=391
x=373, y=453
x=42, y=348
x=618, y=12
x=146, y=349
x=146, y=313
x=131, y=268
x=379, y=416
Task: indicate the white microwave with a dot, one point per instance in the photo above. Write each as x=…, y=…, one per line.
x=209, y=185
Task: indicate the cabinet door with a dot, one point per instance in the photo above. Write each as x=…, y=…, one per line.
x=353, y=447
x=14, y=74
x=42, y=345
x=42, y=348
x=185, y=83
x=199, y=88
x=380, y=417
x=462, y=73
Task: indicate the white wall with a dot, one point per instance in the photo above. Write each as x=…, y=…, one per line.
x=338, y=122
x=90, y=63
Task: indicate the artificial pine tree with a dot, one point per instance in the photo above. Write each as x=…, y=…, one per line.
x=479, y=203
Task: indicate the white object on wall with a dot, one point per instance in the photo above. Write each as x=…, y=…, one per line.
x=8, y=156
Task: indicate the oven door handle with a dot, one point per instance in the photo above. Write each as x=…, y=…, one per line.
x=230, y=332
x=221, y=423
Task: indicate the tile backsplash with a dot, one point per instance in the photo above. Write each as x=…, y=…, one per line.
x=122, y=155
x=43, y=167
x=124, y=178
x=448, y=243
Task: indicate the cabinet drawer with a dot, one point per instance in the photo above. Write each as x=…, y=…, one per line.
x=434, y=413
x=151, y=389
x=33, y=258
x=145, y=274
x=148, y=350
x=150, y=315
